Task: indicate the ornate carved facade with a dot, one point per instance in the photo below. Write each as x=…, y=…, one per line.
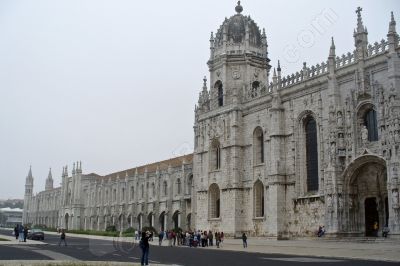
x=274, y=155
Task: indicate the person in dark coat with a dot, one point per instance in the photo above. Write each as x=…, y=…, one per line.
x=145, y=247
x=25, y=233
x=16, y=231
x=244, y=238
x=62, y=238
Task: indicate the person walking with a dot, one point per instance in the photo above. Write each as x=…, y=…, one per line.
x=160, y=238
x=25, y=233
x=62, y=238
x=16, y=232
x=145, y=247
x=244, y=238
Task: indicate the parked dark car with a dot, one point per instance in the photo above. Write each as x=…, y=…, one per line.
x=36, y=234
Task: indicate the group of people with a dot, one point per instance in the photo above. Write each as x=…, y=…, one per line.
x=191, y=238
x=21, y=232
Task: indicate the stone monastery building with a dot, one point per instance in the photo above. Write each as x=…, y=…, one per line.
x=274, y=155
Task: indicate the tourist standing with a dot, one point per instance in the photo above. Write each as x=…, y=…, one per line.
x=217, y=239
x=21, y=233
x=210, y=238
x=244, y=238
x=145, y=247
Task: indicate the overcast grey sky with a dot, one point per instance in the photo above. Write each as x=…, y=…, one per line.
x=114, y=83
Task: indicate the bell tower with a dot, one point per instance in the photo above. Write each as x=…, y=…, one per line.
x=238, y=59
x=238, y=63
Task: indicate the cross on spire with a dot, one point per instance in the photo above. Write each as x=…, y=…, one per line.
x=358, y=11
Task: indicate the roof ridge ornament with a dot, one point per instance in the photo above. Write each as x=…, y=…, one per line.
x=238, y=8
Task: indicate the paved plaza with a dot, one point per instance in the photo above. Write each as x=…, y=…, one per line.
x=259, y=252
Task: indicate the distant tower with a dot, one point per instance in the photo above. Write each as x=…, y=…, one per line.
x=49, y=181
x=29, y=183
x=28, y=196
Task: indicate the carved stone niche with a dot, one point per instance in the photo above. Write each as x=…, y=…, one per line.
x=329, y=202
x=395, y=199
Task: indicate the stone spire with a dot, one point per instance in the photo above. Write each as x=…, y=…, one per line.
x=332, y=57
x=212, y=46
x=392, y=36
x=204, y=96
x=29, y=182
x=360, y=36
x=49, y=181
x=73, y=169
x=79, y=167
x=126, y=176
x=332, y=53
x=274, y=77
x=276, y=99
x=30, y=173
x=279, y=71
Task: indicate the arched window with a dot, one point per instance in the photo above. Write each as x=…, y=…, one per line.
x=258, y=193
x=214, y=201
x=311, y=154
x=189, y=184
x=165, y=187
x=153, y=189
x=142, y=191
x=123, y=194
x=115, y=194
x=258, y=144
x=218, y=86
x=178, y=186
x=371, y=124
x=132, y=192
x=215, y=155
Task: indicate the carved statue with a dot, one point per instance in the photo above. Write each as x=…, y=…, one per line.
x=339, y=119
x=341, y=141
x=395, y=198
x=332, y=153
x=329, y=201
x=351, y=202
x=364, y=134
x=340, y=202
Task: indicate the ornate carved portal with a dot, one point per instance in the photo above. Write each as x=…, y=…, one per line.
x=366, y=196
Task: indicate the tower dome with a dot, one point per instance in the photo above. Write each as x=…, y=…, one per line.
x=240, y=30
